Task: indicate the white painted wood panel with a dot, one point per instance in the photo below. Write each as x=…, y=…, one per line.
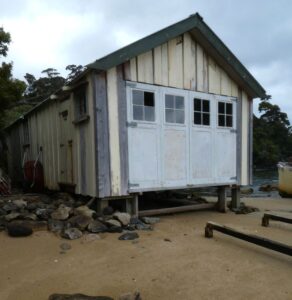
x=133, y=69
x=225, y=84
x=145, y=67
x=244, y=144
x=214, y=76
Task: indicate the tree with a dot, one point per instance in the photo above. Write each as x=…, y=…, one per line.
x=272, y=136
x=74, y=71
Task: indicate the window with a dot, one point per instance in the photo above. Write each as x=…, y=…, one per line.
x=80, y=102
x=143, y=106
x=174, y=109
x=225, y=118
x=201, y=112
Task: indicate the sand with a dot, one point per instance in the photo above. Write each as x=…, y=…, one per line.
x=188, y=267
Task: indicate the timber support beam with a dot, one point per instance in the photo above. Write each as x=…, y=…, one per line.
x=235, y=197
x=254, y=239
x=267, y=217
x=221, y=203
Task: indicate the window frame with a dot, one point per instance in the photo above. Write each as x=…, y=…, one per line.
x=172, y=93
x=225, y=101
x=83, y=114
x=142, y=89
x=193, y=111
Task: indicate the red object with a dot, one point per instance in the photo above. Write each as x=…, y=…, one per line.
x=34, y=175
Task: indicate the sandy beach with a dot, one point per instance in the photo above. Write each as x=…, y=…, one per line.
x=184, y=266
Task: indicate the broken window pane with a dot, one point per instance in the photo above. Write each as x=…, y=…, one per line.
x=197, y=118
x=180, y=116
x=229, y=108
x=197, y=104
x=228, y=121
x=169, y=116
x=149, y=113
x=138, y=112
x=221, y=120
x=138, y=97
x=221, y=107
x=148, y=99
x=169, y=101
x=206, y=119
x=206, y=106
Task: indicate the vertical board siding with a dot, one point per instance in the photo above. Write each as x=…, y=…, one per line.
x=133, y=69
x=200, y=68
x=158, y=65
x=189, y=62
x=175, y=62
x=114, y=147
x=225, y=84
x=145, y=67
x=245, y=140
x=123, y=130
x=214, y=77
x=102, y=137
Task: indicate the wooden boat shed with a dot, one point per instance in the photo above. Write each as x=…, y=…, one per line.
x=170, y=111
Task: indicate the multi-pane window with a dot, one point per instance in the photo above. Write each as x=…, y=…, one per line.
x=143, y=106
x=174, y=109
x=225, y=117
x=201, y=112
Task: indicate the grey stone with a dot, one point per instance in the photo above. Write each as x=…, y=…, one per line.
x=96, y=227
x=20, y=203
x=30, y=216
x=65, y=246
x=78, y=297
x=124, y=218
x=9, y=206
x=91, y=237
x=44, y=213
x=3, y=212
x=62, y=213
x=55, y=225
x=12, y=216
x=129, y=236
x=142, y=226
x=85, y=211
x=151, y=220
x=115, y=229
x=72, y=233
x=81, y=222
x=113, y=222
x=130, y=296
x=18, y=230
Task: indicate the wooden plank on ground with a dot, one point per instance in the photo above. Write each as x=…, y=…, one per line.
x=269, y=216
x=254, y=239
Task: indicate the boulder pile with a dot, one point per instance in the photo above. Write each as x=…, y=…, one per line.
x=66, y=216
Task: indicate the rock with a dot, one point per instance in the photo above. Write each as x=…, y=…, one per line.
x=62, y=213
x=129, y=236
x=55, y=225
x=108, y=211
x=268, y=187
x=78, y=297
x=18, y=230
x=246, y=190
x=44, y=213
x=151, y=220
x=20, y=203
x=81, y=222
x=65, y=246
x=12, y=216
x=113, y=222
x=91, y=237
x=29, y=216
x=3, y=212
x=9, y=206
x=124, y=218
x=130, y=296
x=115, y=229
x=96, y=227
x=142, y=226
x=72, y=233
x=85, y=211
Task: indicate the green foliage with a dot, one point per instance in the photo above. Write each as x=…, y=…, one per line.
x=4, y=41
x=74, y=71
x=272, y=136
x=15, y=112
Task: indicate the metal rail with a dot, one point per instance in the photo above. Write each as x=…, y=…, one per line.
x=268, y=216
x=254, y=239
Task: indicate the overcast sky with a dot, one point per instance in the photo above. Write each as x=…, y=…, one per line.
x=55, y=33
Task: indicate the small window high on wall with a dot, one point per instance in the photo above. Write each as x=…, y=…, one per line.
x=225, y=114
x=174, y=109
x=80, y=98
x=143, y=106
x=201, y=112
